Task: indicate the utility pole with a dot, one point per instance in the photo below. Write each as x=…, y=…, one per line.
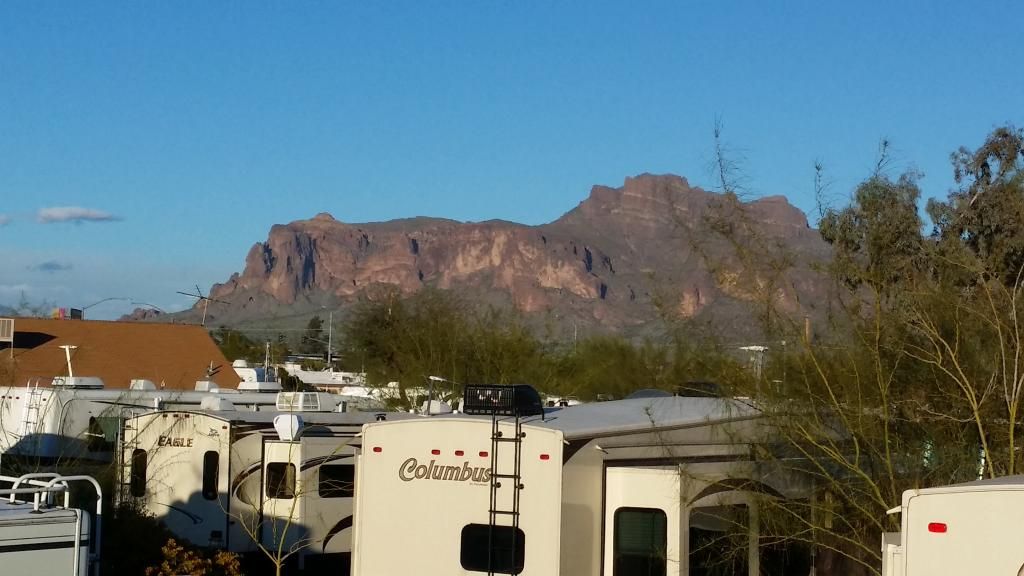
x=330, y=341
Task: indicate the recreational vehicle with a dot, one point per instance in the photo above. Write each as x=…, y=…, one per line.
x=244, y=481
x=637, y=486
x=41, y=534
x=78, y=419
x=966, y=528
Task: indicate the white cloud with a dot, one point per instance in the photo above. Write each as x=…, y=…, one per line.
x=4, y=219
x=75, y=214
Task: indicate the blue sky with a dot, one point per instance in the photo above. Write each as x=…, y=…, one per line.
x=172, y=135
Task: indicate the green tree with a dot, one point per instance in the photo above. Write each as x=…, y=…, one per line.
x=405, y=340
x=919, y=378
x=237, y=346
x=312, y=338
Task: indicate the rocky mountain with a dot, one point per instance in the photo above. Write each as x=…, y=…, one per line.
x=655, y=247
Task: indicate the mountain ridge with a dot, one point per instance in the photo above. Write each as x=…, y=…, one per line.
x=621, y=258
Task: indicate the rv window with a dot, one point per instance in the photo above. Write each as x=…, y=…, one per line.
x=337, y=481
x=508, y=546
x=641, y=539
x=137, y=482
x=280, y=480
x=96, y=440
x=211, y=470
x=717, y=533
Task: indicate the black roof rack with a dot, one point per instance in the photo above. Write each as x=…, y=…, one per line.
x=499, y=400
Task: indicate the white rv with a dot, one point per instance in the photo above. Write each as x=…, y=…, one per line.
x=638, y=486
x=40, y=534
x=969, y=528
x=239, y=480
x=78, y=419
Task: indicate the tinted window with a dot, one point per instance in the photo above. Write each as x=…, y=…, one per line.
x=211, y=471
x=137, y=482
x=280, y=480
x=337, y=481
x=719, y=541
x=640, y=542
x=507, y=548
x=95, y=440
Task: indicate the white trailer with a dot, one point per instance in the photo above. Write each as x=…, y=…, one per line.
x=40, y=534
x=76, y=419
x=969, y=528
x=234, y=480
x=629, y=487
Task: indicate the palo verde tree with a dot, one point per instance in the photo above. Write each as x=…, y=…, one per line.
x=918, y=376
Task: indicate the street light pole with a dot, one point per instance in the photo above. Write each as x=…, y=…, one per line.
x=84, y=308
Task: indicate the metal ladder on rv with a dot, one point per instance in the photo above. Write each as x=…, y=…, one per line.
x=123, y=454
x=29, y=424
x=497, y=476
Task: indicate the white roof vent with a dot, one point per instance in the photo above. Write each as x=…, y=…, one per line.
x=79, y=382
x=141, y=385
x=288, y=426
x=206, y=386
x=216, y=404
x=437, y=407
x=240, y=363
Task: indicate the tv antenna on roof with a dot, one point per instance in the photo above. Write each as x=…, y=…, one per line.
x=205, y=300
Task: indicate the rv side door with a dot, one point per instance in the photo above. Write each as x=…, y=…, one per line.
x=281, y=525
x=641, y=520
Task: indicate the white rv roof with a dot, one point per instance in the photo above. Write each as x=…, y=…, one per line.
x=267, y=417
x=1015, y=482
x=631, y=415
x=643, y=414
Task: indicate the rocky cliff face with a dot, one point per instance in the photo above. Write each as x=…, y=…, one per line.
x=623, y=256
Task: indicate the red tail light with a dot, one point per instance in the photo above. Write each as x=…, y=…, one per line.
x=545, y=457
x=435, y=452
x=937, y=527
x=459, y=452
x=377, y=449
x=483, y=454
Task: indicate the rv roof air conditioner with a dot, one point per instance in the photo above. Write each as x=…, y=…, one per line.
x=436, y=407
x=288, y=426
x=141, y=384
x=515, y=400
x=78, y=382
x=206, y=386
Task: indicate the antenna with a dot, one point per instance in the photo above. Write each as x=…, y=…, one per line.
x=67, y=354
x=212, y=370
x=205, y=300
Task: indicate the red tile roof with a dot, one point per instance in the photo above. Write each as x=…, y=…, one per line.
x=175, y=355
